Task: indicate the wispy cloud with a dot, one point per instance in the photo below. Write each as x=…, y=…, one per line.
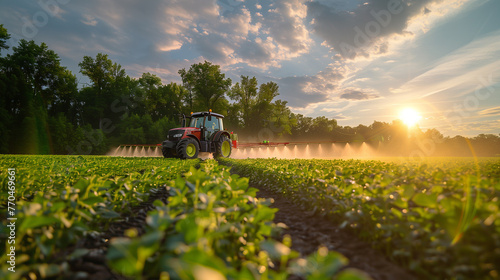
x=353, y=32
x=490, y=112
x=89, y=20
x=357, y=94
x=461, y=72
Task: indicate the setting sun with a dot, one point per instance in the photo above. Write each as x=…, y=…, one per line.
x=409, y=116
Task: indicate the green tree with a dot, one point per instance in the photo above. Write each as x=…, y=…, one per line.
x=162, y=100
x=244, y=93
x=110, y=85
x=380, y=131
x=322, y=128
x=263, y=108
x=34, y=83
x=174, y=95
x=207, y=84
x=41, y=71
x=151, y=98
x=5, y=118
x=302, y=127
x=282, y=120
x=99, y=70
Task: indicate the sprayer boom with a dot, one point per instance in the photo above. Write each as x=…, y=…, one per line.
x=140, y=145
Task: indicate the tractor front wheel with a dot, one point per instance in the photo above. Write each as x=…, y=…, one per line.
x=223, y=148
x=168, y=153
x=188, y=148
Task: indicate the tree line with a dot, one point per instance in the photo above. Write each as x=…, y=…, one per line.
x=44, y=111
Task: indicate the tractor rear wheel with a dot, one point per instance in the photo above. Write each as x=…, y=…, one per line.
x=223, y=148
x=168, y=153
x=188, y=148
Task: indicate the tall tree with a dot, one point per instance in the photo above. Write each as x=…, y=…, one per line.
x=207, y=84
x=244, y=93
x=109, y=84
x=302, y=127
x=35, y=83
x=174, y=94
x=262, y=110
x=282, y=120
x=5, y=118
x=40, y=68
x=99, y=71
x=151, y=98
x=161, y=100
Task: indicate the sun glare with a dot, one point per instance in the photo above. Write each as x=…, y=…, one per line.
x=410, y=117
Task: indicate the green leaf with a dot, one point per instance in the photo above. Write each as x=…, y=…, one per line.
x=425, y=200
x=264, y=213
x=108, y=214
x=93, y=200
x=396, y=213
x=82, y=185
x=275, y=249
x=34, y=222
x=58, y=206
x=122, y=256
x=408, y=191
x=48, y=270
x=400, y=203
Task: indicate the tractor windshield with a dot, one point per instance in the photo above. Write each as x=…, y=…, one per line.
x=196, y=122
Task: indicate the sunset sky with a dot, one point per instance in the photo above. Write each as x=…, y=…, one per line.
x=355, y=61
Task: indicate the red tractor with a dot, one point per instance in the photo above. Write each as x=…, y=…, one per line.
x=203, y=133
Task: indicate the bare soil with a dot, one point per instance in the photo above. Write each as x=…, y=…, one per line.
x=309, y=232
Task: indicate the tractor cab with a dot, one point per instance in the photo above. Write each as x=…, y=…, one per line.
x=208, y=122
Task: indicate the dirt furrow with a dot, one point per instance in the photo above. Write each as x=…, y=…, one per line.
x=308, y=232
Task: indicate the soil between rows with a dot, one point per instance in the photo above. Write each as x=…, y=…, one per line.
x=309, y=232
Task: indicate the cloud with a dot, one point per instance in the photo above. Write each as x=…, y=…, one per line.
x=356, y=94
x=285, y=24
x=471, y=128
x=258, y=53
x=89, y=20
x=301, y=91
x=340, y=117
x=353, y=32
x=490, y=112
x=292, y=90
x=469, y=69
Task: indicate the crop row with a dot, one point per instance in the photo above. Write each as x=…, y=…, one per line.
x=213, y=227
x=212, y=224
x=59, y=200
x=439, y=218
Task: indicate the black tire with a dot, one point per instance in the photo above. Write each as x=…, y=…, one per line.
x=220, y=151
x=188, y=148
x=168, y=153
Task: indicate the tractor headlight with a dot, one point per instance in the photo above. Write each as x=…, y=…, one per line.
x=177, y=135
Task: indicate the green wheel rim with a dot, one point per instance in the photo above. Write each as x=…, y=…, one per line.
x=225, y=149
x=190, y=150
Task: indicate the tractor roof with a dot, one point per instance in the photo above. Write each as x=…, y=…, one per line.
x=201, y=114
